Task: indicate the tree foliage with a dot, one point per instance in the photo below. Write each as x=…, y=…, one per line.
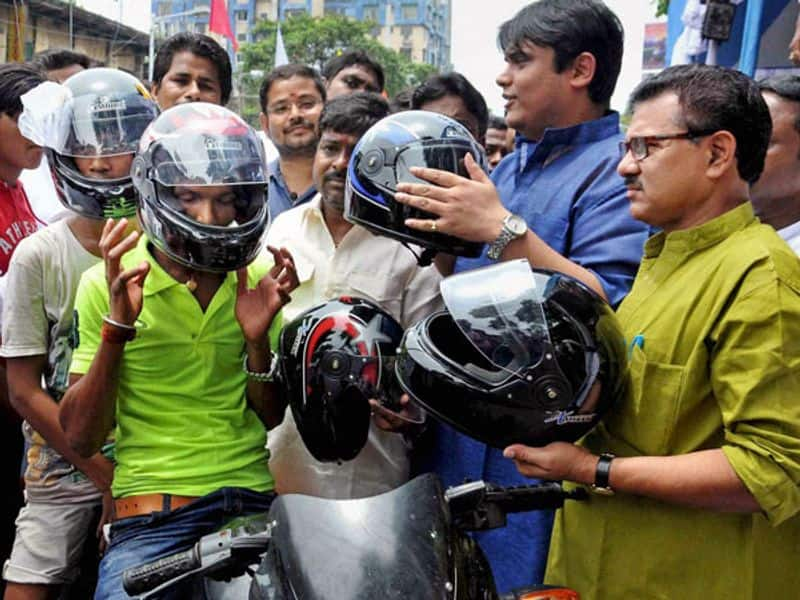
x=314, y=40
x=662, y=6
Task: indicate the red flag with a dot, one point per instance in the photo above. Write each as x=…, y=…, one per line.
x=219, y=22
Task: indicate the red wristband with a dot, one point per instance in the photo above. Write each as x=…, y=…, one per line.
x=116, y=335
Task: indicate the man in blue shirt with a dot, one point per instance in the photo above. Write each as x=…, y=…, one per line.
x=556, y=200
x=291, y=99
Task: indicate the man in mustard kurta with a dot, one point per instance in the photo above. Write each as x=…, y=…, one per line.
x=699, y=465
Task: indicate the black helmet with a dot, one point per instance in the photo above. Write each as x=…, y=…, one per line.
x=333, y=359
x=192, y=149
x=107, y=112
x=382, y=159
x=519, y=356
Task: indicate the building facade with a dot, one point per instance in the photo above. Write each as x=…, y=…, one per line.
x=419, y=29
x=36, y=25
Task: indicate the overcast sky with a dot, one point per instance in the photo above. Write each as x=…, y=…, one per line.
x=474, y=31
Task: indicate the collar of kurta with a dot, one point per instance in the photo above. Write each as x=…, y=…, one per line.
x=702, y=236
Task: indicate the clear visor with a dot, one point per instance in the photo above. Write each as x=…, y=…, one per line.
x=209, y=160
x=499, y=310
x=223, y=206
x=436, y=154
x=106, y=126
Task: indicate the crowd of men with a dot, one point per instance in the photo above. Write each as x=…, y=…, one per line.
x=688, y=224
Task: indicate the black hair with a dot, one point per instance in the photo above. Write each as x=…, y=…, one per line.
x=453, y=84
x=496, y=122
x=15, y=80
x=401, y=100
x=350, y=58
x=200, y=45
x=53, y=59
x=287, y=72
x=353, y=114
x=785, y=86
x=717, y=98
x=571, y=27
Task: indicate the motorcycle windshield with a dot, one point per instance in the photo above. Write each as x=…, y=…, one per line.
x=499, y=310
x=392, y=546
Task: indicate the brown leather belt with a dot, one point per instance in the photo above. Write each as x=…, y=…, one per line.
x=144, y=504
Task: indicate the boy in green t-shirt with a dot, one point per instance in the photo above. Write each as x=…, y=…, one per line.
x=103, y=119
x=176, y=335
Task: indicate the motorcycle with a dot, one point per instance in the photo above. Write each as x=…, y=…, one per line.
x=409, y=543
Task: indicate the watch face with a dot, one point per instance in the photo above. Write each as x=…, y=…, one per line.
x=517, y=225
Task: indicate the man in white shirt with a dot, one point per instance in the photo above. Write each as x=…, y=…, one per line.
x=334, y=257
x=776, y=194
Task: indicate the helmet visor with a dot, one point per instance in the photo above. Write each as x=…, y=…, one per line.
x=443, y=155
x=216, y=206
x=499, y=310
x=106, y=126
x=209, y=159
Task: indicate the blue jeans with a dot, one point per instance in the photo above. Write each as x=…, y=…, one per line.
x=137, y=540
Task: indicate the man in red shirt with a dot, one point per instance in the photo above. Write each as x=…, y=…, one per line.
x=16, y=153
x=16, y=222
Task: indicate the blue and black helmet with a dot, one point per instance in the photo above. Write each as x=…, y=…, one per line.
x=383, y=158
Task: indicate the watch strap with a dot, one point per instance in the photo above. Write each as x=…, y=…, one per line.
x=499, y=244
x=602, y=473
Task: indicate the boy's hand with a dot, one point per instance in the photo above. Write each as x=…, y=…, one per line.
x=124, y=287
x=257, y=307
x=287, y=277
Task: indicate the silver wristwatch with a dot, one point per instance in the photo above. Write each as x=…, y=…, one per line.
x=514, y=227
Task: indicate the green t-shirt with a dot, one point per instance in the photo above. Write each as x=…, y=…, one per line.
x=183, y=423
x=713, y=322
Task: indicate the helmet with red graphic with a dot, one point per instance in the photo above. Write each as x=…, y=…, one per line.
x=333, y=359
x=201, y=176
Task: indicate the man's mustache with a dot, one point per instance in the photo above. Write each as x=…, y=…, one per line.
x=300, y=122
x=632, y=182
x=340, y=177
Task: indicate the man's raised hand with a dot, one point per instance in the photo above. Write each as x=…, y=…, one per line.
x=124, y=287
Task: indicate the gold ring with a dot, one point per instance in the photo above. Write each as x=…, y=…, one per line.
x=433, y=225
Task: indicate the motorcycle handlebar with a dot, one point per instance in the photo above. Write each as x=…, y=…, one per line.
x=478, y=505
x=151, y=575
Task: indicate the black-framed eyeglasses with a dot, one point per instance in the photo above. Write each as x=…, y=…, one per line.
x=639, y=147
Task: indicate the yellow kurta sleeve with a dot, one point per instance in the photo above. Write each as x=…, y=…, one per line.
x=756, y=381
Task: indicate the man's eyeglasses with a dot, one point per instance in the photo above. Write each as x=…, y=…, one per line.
x=639, y=147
